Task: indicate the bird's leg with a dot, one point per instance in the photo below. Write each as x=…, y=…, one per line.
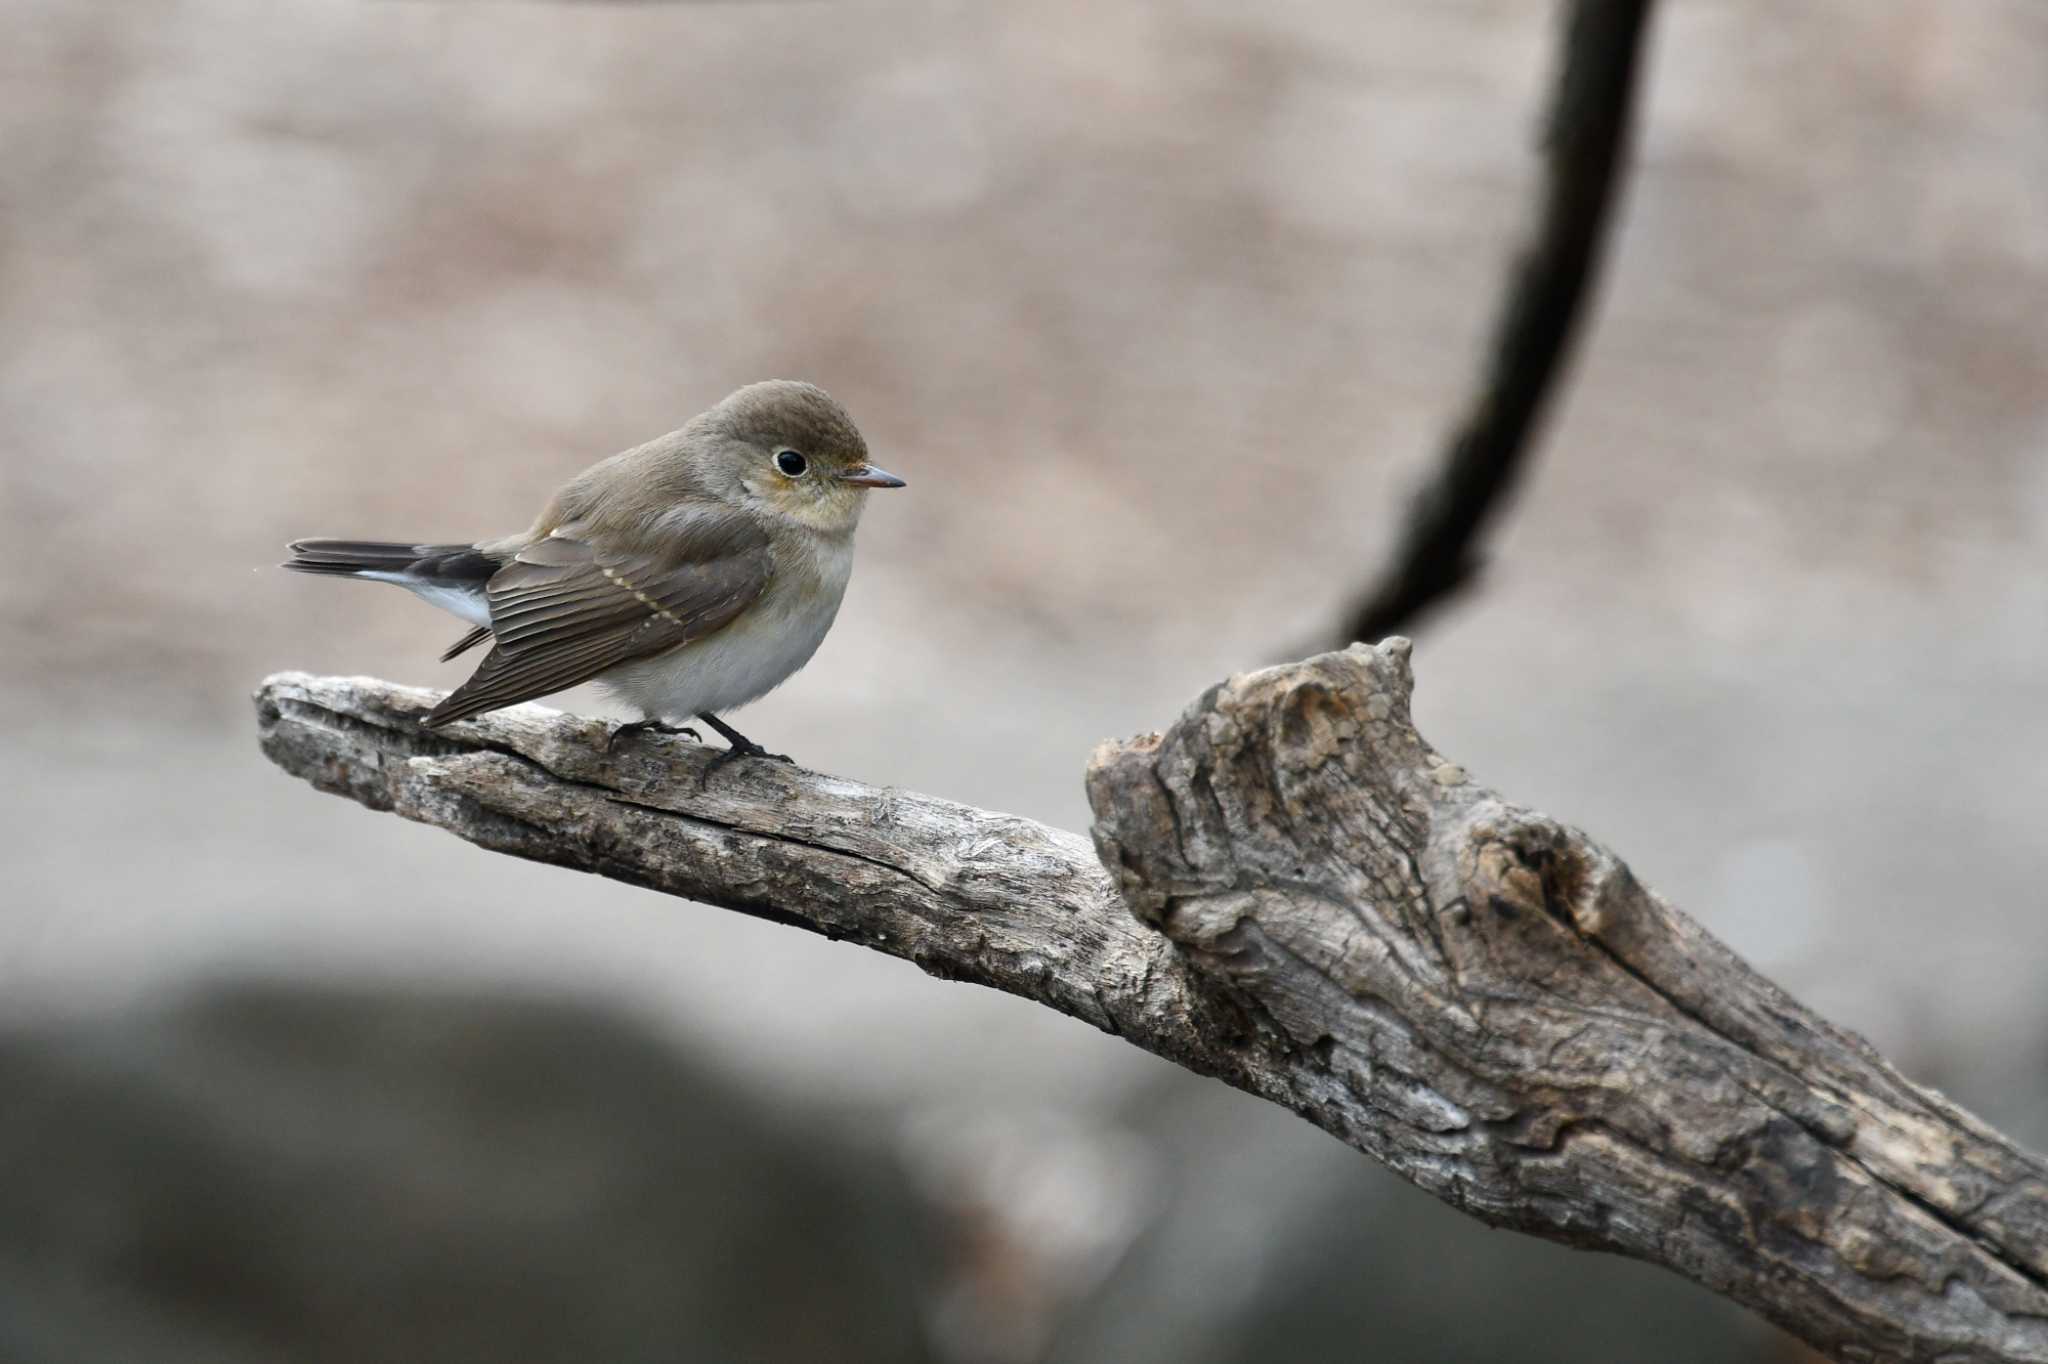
x=652, y=725
x=738, y=745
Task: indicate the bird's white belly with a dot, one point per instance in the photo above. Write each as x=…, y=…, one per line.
x=743, y=662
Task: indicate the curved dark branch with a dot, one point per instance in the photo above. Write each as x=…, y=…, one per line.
x=1310, y=903
x=1587, y=141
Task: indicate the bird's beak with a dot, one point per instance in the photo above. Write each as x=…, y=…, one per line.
x=868, y=476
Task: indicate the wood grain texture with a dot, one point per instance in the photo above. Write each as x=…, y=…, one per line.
x=1311, y=904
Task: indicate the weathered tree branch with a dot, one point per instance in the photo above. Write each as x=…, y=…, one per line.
x=1586, y=140
x=1310, y=903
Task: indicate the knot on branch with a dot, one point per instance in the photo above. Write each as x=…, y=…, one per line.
x=1299, y=807
x=1240, y=789
x=1516, y=862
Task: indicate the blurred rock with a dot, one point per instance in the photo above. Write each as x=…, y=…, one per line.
x=265, y=1174
x=1036, y=1207
x=1276, y=1242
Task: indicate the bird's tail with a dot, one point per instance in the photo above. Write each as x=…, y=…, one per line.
x=387, y=560
x=452, y=577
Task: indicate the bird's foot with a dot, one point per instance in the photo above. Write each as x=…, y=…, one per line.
x=636, y=728
x=738, y=746
x=746, y=748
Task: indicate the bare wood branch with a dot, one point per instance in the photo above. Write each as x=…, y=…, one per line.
x=1586, y=142
x=1310, y=903
x=964, y=893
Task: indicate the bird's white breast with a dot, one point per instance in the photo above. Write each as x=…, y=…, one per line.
x=756, y=653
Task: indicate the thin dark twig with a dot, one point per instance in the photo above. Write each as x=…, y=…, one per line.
x=1586, y=143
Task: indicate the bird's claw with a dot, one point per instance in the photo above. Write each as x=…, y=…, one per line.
x=635, y=728
x=737, y=752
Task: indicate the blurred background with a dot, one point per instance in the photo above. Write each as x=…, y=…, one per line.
x=1161, y=306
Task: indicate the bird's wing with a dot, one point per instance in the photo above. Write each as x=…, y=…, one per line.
x=468, y=641
x=563, y=611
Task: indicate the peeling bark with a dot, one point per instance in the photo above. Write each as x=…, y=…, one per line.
x=1306, y=901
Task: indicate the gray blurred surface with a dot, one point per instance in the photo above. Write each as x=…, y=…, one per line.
x=1159, y=307
x=263, y=1175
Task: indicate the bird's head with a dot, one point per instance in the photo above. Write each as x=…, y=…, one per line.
x=790, y=449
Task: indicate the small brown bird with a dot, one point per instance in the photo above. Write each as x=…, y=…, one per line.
x=689, y=575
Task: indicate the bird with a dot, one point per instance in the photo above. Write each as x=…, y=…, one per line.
x=687, y=576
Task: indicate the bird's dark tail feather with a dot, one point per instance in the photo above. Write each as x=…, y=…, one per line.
x=454, y=565
x=437, y=572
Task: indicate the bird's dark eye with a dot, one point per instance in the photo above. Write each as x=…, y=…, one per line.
x=791, y=462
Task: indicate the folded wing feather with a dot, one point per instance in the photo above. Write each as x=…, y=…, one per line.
x=563, y=610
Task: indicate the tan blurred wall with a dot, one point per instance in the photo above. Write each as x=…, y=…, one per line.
x=1159, y=307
